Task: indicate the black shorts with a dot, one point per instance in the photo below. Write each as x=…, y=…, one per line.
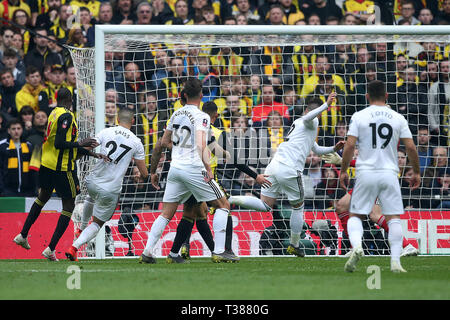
x=65, y=183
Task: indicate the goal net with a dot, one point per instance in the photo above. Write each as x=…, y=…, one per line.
x=261, y=78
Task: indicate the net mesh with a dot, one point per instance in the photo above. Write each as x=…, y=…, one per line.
x=243, y=73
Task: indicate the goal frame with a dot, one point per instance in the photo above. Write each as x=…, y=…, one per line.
x=102, y=30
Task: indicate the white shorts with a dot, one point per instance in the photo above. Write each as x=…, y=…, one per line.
x=105, y=202
x=371, y=185
x=181, y=184
x=284, y=180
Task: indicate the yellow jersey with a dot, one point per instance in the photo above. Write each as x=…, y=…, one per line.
x=60, y=122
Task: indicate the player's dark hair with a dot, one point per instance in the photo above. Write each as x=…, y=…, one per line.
x=192, y=88
x=125, y=115
x=64, y=97
x=376, y=90
x=209, y=108
x=313, y=103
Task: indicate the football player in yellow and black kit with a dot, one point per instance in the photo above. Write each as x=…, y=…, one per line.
x=58, y=170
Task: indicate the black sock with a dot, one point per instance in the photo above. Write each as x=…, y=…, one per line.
x=61, y=226
x=229, y=233
x=34, y=213
x=205, y=231
x=184, y=230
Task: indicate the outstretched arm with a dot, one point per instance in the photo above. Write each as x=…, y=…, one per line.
x=311, y=115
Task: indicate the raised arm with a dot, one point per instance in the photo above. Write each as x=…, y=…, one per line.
x=311, y=115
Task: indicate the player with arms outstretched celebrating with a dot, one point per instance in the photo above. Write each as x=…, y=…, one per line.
x=105, y=182
x=189, y=173
x=377, y=130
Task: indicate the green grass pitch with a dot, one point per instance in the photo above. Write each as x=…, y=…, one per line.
x=286, y=278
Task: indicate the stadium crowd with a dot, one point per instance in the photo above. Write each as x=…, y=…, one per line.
x=258, y=90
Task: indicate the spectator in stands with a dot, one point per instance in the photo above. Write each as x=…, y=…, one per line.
x=276, y=16
x=440, y=155
x=402, y=160
x=144, y=13
x=350, y=19
x=59, y=27
x=8, y=91
x=263, y=9
x=76, y=37
x=44, y=16
x=181, y=14
x=407, y=12
x=21, y=18
x=37, y=133
x=40, y=55
x=313, y=19
x=361, y=89
x=26, y=115
x=268, y=104
x=227, y=62
x=92, y=5
x=411, y=198
x=7, y=34
x=10, y=61
x=18, y=45
x=8, y=7
x=134, y=85
x=291, y=12
x=313, y=168
x=47, y=97
x=161, y=12
x=210, y=81
x=439, y=98
x=291, y=100
x=3, y=132
x=239, y=87
x=444, y=14
x=123, y=12
x=426, y=17
x=275, y=130
x=110, y=114
x=244, y=7
x=105, y=13
x=255, y=89
x=328, y=191
x=114, y=76
x=29, y=94
x=324, y=9
x=322, y=67
x=16, y=180
x=209, y=15
x=424, y=148
x=364, y=9
x=441, y=191
x=340, y=134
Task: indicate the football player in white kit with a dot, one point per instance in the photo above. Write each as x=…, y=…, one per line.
x=377, y=130
x=189, y=173
x=286, y=167
x=104, y=183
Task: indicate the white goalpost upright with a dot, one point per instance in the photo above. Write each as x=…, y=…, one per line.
x=90, y=65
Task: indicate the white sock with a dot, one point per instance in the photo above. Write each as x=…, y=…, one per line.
x=296, y=224
x=395, y=238
x=249, y=202
x=355, y=231
x=87, y=235
x=155, y=233
x=86, y=215
x=219, y=226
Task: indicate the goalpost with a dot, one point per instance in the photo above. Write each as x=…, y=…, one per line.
x=301, y=62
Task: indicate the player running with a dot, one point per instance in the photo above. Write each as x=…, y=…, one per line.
x=377, y=130
x=105, y=182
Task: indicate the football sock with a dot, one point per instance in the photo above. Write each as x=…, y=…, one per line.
x=355, y=231
x=383, y=224
x=249, y=202
x=155, y=233
x=86, y=215
x=296, y=224
x=61, y=226
x=87, y=235
x=229, y=233
x=34, y=213
x=205, y=231
x=395, y=238
x=220, y=226
x=184, y=230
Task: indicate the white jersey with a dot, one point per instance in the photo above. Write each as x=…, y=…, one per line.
x=300, y=140
x=184, y=124
x=121, y=145
x=378, y=130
